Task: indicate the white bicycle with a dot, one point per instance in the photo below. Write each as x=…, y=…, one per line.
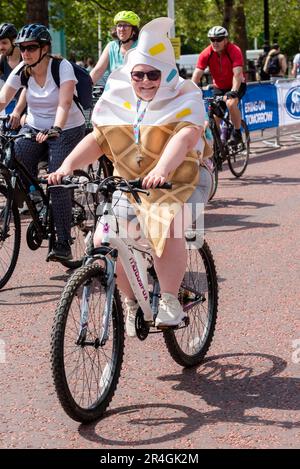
x=88, y=331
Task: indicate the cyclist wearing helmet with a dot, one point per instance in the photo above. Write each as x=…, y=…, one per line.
x=10, y=55
x=225, y=62
x=126, y=33
x=51, y=112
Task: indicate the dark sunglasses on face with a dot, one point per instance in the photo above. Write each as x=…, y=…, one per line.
x=217, y=39
x=152, y=75
x=30, y=48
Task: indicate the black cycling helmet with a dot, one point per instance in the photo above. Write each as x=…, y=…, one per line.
x=34, y=32
x=8, y=31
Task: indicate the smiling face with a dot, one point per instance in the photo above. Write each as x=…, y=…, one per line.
x=145, y=87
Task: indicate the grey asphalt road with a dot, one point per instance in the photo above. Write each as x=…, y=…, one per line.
x=247, y=392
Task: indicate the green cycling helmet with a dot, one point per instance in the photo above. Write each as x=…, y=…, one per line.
x=127, y=16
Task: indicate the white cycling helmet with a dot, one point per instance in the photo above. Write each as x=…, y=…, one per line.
x=217, y=31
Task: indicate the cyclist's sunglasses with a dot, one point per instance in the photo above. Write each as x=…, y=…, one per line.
x=152, y=75
x=217, y=39
x=30, y=48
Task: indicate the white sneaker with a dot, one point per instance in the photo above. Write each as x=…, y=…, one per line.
x=131, y=307
x=170, y=311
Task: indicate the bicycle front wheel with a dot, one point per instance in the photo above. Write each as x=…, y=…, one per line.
x=86, y=372
x=238, y=155
x=10, y=238
x=198, y=295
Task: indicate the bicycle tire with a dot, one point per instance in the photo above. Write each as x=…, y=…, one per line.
x=215, y=179
x=13, y=240
x=83, y=220
x=188, y=345
x=63, y=342
x=235, y=169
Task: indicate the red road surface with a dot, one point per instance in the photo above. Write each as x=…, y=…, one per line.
x=245, y=395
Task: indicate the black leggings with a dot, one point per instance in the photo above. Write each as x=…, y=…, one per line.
x=240, y=93
x=30, y=153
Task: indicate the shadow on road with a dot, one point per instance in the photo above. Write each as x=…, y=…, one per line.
x=231, y=384
x=30, y=294
x=237, y=222
x=235, y=202
x=275, y=179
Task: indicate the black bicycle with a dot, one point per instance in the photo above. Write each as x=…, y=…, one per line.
x=237, y=155
x=13, y=193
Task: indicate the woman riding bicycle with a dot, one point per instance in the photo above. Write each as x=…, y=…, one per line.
x=149, y=122
x=125, y=34
x=51, y=112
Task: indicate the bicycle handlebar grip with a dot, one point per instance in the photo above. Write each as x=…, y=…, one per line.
x=137, y=183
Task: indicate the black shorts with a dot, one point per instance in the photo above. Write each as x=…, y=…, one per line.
x=241, y=91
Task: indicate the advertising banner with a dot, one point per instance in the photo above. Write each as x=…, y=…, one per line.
x=289, y=102
x=260, y=106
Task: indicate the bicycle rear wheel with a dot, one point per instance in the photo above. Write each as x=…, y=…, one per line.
x=238, y=155
x=198, y=295
x=215, y=178
x=83, y=221
x=9, y=242
x=86, y=375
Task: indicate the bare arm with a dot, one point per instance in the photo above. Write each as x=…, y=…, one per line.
x=283, y=64
x=294, y=70
x=84, y=153
x=197, y=75
x=7, y=93
x=19, y=108
x=101, y=65
x=173, y=155
x=237, y=78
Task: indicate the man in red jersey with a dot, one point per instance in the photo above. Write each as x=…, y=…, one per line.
x=225, y=62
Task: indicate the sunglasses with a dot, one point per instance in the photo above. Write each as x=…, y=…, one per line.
x=152, y=75
x=217, y=39
x=30, y=48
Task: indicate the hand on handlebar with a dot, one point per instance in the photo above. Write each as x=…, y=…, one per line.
x=154, y=179
x=56, y=176
x=231, y=94
x=14, y=120
x=43, y=135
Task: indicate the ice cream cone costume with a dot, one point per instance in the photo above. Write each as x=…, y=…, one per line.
x=178, y=103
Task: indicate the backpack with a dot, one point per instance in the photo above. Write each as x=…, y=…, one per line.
x=260, y=66
x=273, y=66
x=84, y=87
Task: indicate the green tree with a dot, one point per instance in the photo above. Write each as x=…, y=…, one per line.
x=243, y=18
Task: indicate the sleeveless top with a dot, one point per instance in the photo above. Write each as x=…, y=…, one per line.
x=116, y=59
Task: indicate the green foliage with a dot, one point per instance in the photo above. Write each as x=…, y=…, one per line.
x=79, y=18
x=13, y=12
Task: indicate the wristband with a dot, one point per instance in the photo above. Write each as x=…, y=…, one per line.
x=57, y=129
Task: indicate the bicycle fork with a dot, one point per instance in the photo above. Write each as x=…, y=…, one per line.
x=110, y=283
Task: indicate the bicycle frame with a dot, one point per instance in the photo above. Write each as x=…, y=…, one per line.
x=116, y=242
x=13, y=179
